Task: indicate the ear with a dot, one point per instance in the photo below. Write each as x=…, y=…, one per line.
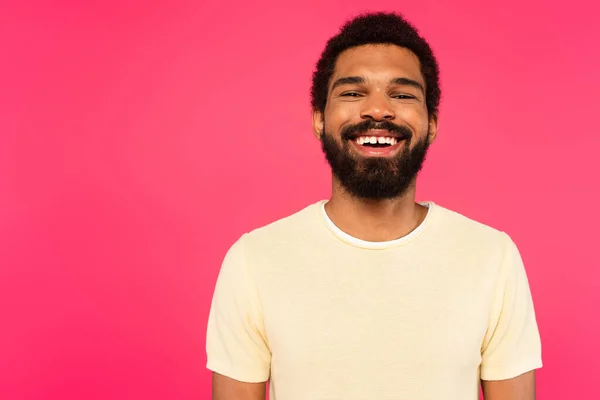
x=318, y=123
x=433, y=128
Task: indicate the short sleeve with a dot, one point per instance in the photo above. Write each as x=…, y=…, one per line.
x=236, y=343
x=512, y=345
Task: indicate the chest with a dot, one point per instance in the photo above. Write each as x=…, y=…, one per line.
x=341, y=315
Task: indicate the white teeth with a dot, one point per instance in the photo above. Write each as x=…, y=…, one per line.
x=374, y=140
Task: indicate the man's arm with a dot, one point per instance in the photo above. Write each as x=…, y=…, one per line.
x=511, y=350
x=520, y=388
x=236, y=343
x=224, y=388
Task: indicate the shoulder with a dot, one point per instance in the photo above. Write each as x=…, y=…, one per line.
x=452, y=220
x=280, y=237
x=295, y=226
x=470, y=245
x=461, y=231
x=271, y=247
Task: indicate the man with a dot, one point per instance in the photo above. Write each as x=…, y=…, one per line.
x=371, y=295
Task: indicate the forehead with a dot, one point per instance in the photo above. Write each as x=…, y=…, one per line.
x=378, y=62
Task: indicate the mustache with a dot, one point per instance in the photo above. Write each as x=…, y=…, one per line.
x=351, y=132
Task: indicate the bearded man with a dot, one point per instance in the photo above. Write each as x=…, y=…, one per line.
x=370, y=294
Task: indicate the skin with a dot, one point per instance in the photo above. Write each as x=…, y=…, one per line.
x=521, y=387
x=224, y=388
x=379, y=96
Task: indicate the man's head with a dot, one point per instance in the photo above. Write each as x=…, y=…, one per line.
x=375, y=98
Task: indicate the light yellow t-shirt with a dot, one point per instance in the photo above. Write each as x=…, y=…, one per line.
x=324, y=315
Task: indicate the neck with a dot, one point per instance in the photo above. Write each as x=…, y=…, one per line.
x=375, y=220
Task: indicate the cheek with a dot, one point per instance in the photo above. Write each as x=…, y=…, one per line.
x=337, y=115
x=415, y=117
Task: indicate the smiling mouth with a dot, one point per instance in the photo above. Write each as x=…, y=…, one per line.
x=377, y=141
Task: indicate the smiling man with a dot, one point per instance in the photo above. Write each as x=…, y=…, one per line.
x=370, y=294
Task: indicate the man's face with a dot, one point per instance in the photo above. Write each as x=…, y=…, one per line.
x=375, y=130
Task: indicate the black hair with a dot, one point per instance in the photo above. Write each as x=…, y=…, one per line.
x=376, y=28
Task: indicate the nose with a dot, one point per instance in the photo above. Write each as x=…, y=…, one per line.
x=378, y=108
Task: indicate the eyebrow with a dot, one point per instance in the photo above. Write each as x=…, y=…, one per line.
x=408, y=82
x=349, y=80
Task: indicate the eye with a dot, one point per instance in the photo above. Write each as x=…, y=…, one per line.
x=403, y=96
x=350, y=94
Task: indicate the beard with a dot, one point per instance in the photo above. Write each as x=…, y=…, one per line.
x=375, y=178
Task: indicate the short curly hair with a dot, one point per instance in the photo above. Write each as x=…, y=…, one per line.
x=376, y=28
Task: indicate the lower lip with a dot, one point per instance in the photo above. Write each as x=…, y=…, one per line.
x=387, y=151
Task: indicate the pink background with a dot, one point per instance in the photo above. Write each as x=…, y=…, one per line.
x=139, y=140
